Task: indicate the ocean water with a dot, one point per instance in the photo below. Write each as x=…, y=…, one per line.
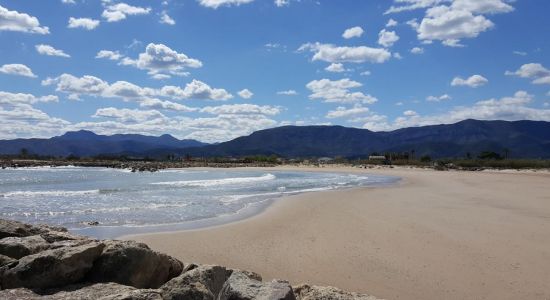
x=124, y=202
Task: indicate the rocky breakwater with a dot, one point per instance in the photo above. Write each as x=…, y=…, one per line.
x=45, y=262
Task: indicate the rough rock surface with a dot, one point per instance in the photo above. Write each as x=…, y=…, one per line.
x=51, y=268
x=134, y=264
x=17, y=247
x=307, y=292
x=241, y=287
x=45, y=262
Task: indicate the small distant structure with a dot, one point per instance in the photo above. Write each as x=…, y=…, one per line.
x=377, y=157
x=325, y=160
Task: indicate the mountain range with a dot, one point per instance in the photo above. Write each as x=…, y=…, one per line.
x=519, y=139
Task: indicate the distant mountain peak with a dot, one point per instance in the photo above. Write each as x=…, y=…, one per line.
x=82, y=134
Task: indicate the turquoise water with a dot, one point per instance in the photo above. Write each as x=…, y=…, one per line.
x=72, y=196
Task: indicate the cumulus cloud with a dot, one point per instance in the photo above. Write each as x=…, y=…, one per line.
x=287, y=93
x=245, y=94
x=391, y=23
x=195, y=90
x=335, y=54
x=161, y=59
x=338, y=91
x=417, y=50
x=85, y=23
x=335, y=68
x=443, y=97
x=473, y=81
x=17, y=69
x=342, y=112
x=153, y=103
x=217, y=3
x=387, y=38
x=107, y=54
x=406, y=5
x=118, y=12
x=11, y=20
x=511, y=108
x=281, y=3
x=128, y=115
x=353, y=32
x=166, y=19
x=50, y=51
x=535, y=71
x=242, y=109
x=16, y=99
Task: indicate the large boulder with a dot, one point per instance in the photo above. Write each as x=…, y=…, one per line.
x=4, y=260
x=241, y=287
x=14, y=228
x=103, y=291
x=134, y=264
x=18, y=247
x=200, y=283
x=307, y=292
x=51, y=268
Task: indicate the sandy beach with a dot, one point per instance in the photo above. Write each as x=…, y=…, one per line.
x=435, y=235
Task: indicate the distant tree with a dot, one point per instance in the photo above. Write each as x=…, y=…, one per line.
x=425, y=158
x=489, y=155
x=23, y=153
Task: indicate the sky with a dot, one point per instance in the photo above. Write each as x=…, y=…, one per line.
x=213, y=70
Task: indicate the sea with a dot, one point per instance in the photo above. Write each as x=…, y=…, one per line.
x=109, y=203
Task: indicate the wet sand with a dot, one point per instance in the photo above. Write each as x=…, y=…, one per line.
x=435, y=235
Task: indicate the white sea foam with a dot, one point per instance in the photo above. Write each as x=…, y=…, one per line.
x=216, y=182
x=48, y=193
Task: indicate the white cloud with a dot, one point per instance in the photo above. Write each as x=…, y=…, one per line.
x=17, y=99
x=512, y=108
x=242, y=109
x=520, y=53
x=86, y=23
x=473, y=81
x=409, y=113
x=245, y=94
x=166, y=19
x=128, y=115
x=353, y=32
x=118, y=12
x=17, y=69
x=335, y=68
x=68, y=2
x=387, y=38
x=288, y=93
x=281, y=3
x=342, y=112
x=365, y=73
x=443, y=97
x=160, y=59
x=107, y=54
x=195, y=90
x=483, y=6
x=417, y=50
x=535, y=71
x=335, y=54
x=338, y=91
x=407, y=5
x=217, y=3
x=11, y=20
x=50, y=51
x=391, y=23
x=153, y=103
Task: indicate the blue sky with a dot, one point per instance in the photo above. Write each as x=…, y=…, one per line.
x=217, y=69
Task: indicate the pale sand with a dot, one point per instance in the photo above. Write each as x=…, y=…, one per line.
x=436, y=235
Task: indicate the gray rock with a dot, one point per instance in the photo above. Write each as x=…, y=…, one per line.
x=18, y=247
x=307, y=292
x=134, y=264
x=201, y=283
x=13, y=228
x=241, y=287
x=104, y=291
x=4, y=260
x=51, y=268
x=57, y=236
x=19, y=294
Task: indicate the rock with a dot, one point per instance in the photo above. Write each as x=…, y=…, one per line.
x=19, y=294
x=134, y=264
x=10, y=228
x=18, y=247
x=57, y=236
x=51, y=268
x=203, y=282
x=240, y=287
x=104, y=291
x=307, y=292
x=249, y=274
x=4, y=260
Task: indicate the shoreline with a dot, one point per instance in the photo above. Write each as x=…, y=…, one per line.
x=433, y=235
